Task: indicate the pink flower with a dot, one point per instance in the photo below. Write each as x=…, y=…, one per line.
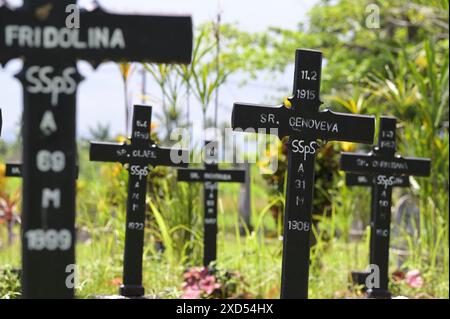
x=192, y=275
x=414, y=279
x=191, y=293
x=198, y=282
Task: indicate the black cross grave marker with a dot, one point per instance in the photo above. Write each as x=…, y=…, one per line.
x=382, y=169
x=301, y=120
x=211, y=175
x=39, y=32
x=137, y=155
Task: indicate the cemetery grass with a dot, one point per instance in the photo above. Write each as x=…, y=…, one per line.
x=259, y=264
x=255, y=256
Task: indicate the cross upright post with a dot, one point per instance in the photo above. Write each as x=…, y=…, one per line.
x=382, y=169
x=386, y=144
x=47, y=37
x=210, y=175
x=300, y=119
x=137, y=155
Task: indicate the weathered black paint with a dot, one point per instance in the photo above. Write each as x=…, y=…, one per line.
x=381, y=179
x=138, y=171
x=368, y=180
x=368, y=163
x=152, y=38
x=48, y=191
x=282, y=116
x=302, y=121
x=211, y=175
x=202, y=175
x=46, y=270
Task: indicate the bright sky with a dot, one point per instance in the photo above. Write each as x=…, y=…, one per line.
x=101, y=96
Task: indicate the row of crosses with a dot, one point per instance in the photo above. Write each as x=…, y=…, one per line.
x=300, y=119
x=49, y=168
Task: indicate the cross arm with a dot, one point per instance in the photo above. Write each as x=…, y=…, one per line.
x=372, y=164
x=167, y=156
x=151, y=155
x=150, y=38
x=252, y=117
x=108, y=152
x=352, y=179
x=326, y=125
x=418, y=166
x=202, y=175
x=13, y=170
x=349, y=127
x=101, y=36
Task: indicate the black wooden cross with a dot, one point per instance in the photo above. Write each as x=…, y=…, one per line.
x=47, y=37
x=301, y=120
x=211, y=175
x=382, y=169
x=137, y=155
